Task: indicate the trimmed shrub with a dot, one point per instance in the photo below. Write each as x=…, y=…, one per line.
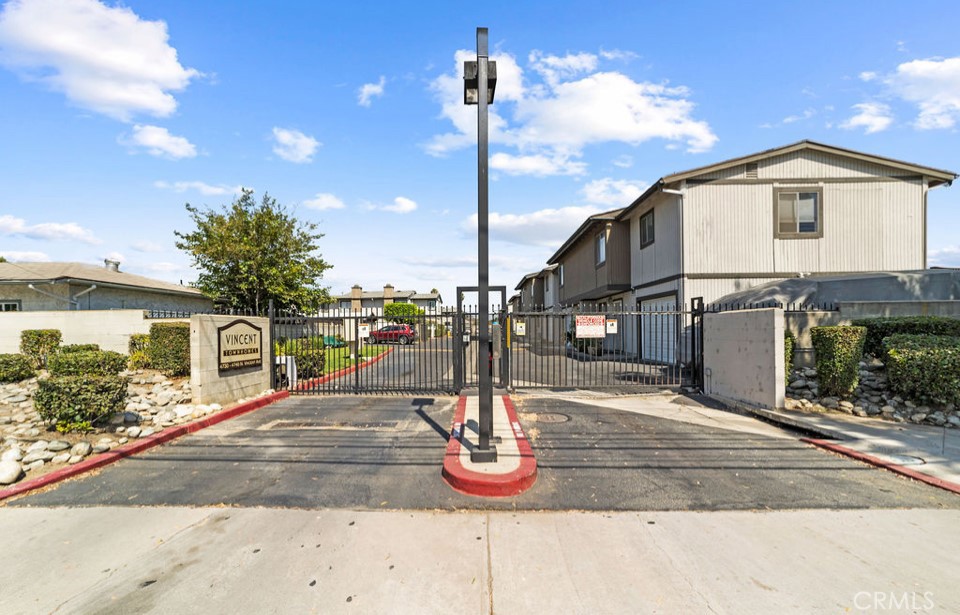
x=838, y=350
x=881, y=327
x=924, y=367
x=789, y=341
x=169, y=348
x=79, y=348
x=15, y=367
x=139, y=342
x=77, y=403
x=309, y=353
x=38, y=344
x=93, y=363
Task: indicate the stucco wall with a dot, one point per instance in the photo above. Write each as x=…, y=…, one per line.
x=110, y=329
x=743, y=356
x=206, y=382
x=101, y=298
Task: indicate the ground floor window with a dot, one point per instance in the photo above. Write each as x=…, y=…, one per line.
x=9, y=305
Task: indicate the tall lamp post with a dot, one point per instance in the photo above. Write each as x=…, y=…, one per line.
x=479, y=83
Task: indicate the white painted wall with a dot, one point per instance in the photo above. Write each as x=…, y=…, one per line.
x=110, y=329
x=743, y=356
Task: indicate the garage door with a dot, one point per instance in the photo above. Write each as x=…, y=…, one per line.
x=658, y=330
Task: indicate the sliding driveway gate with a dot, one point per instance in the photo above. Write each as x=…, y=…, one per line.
x=353, y=352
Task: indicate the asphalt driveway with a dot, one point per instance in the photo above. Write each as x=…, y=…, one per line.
x=379, y=453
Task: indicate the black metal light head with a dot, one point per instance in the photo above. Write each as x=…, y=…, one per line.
x=471, y=86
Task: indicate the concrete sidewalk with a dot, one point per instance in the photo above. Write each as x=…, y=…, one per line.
x=934, y=451
x=256, y=560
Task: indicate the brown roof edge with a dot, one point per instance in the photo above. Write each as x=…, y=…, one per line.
x=613, y=214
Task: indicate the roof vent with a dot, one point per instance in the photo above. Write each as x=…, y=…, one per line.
x=751, y=170
x=111, y=265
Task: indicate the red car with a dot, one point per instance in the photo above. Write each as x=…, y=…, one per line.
x=402, y=334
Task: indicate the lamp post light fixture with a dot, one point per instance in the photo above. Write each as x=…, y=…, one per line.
x=481, y=77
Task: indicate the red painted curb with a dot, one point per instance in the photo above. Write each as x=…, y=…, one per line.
x=489, y=485
x=880, y=463
x=140, y=445
x=342, y=372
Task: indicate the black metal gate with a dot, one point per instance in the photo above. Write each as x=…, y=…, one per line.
x=652, y=349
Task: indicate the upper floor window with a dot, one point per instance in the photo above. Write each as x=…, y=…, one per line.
x=560, y=274
x=646, y=229
x=546, y=283
x=601, y=248
x=799, y=212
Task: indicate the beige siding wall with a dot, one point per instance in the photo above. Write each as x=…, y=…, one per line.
x=580, y=271
x=867, y=226
x=100, y=298
x=662, y=258
x=807, y=164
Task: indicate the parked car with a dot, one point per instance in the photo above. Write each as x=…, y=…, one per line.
x=402, y=334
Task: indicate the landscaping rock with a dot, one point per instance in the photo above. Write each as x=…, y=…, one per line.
x=58, y=445
x=39, y=445
x=917, y=417
x=10, y=471
x=101, y=448
x=61, y=458
x=830, y=402
x=31, y=457
x=74, y=459
x=133, y=432
x=81, y=449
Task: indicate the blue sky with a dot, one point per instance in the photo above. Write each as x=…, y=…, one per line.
x=113, y=116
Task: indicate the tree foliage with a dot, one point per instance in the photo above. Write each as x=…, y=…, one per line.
x=400, y=313
x=249, y=253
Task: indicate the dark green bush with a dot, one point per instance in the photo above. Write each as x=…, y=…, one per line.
x=38, y=344
x=309, y=353
x=838, y=350
x=15, y=367
x=789, y=341
x=881, y=327
x=76, y=403
x=169, y=348
x=924, y=367
x=93, y=363
x=68, y=348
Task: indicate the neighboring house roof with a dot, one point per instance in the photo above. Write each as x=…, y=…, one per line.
x=80, y=273
x=607, y=216
x=427, y=297
x=937, y=176
x=397, y=294
x=525, y=279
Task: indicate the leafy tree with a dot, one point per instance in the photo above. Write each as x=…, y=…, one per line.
x=2, y=259
x=400, y=313
x=249, y=253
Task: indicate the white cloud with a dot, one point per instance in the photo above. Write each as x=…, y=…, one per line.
x=10, y=225
x=538, y=165
x=568, y=105
x=25, y=257
x=868, y=75
x=323, y=201
x=806, y=115
x=546, y=227
x=201, y=187
x=146, y=246
x=102, y=58
x=159, y=142
x=934, y=86
x=369, y=90
x=613, y=192
x=401, y=205
x=114, y=256
x=293, y=145
x=618, y=54
x=872, y=117
x=945, y=257
x=624, y=161
x=163, y=267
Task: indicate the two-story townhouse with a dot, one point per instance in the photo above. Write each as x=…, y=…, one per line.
x=592, y=267
x=805, y=208
x=371, y=303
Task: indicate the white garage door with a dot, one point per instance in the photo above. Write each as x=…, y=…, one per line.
x=658, y=330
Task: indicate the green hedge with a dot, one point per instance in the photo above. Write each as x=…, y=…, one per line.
x=169, y=348
x=924, y=367
x=309, y=353
x=93, y=363
x=15, y=367
x=68, y=348
x=881, y=327
x=38, y=344
x=139, y=342
x=77, y=403
x=838, y=350
x=789, y=341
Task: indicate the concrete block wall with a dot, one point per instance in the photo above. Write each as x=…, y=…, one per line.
x=743, y=356
x=110, y=329
x=206, y=382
